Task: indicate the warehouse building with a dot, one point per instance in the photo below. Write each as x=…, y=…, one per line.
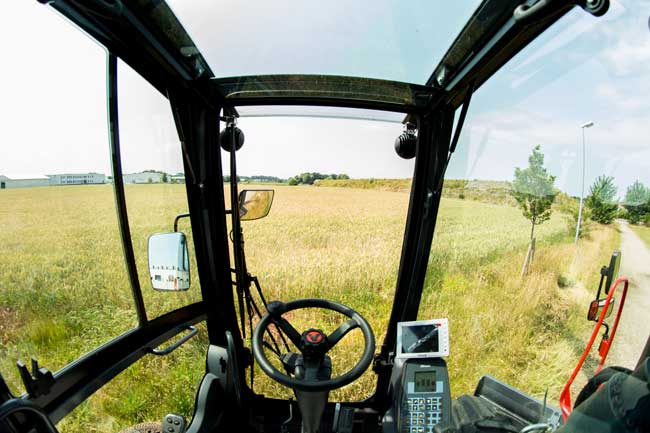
x=6, y=183
x=53, y=179
x=144, y=177
x=177, y=178
x=76, y=178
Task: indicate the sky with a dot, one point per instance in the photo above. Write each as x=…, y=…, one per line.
x=53, y=106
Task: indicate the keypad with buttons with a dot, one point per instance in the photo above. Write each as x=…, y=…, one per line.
x=421, y=414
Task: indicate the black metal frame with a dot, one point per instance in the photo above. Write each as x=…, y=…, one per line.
x=136, y=35
x=118, y=186
x=323, y=90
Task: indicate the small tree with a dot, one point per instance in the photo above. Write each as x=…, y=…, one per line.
x=601, y=200
x=533, y=190
x=637, y=202
x=164, y=178
x=293, y=181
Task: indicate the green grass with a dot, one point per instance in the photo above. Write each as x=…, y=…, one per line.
x=643, y=232
x=486, y=191
x=64, y=290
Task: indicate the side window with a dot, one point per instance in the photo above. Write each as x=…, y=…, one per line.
x=154, y=183
x=63, y=284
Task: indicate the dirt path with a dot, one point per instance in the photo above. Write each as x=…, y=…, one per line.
x=634, y=328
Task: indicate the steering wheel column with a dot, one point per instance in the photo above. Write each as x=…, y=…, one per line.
x=312, y=365
x=311, y=368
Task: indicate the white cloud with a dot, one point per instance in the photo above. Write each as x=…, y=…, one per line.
x=627, y=47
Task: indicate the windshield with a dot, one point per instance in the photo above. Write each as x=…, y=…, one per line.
x=385, y=39
x=336, y=226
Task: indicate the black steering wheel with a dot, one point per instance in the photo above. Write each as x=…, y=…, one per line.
x=312, y=343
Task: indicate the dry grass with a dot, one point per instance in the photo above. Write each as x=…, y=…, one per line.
x=486, y=191
x=643, y=232
x=63, y=281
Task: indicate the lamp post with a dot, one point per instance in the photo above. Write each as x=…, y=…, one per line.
x=582, y=192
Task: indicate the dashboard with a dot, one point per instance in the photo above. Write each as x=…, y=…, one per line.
x=420, y=382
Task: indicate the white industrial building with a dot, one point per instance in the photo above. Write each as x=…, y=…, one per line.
x=143, y=177
x=177, y=178
x=76, y=178
x=53, y=179
x=88, y=178
x=6, y=182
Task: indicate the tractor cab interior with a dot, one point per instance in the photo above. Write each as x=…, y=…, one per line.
x=248, y=333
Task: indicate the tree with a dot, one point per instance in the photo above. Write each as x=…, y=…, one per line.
x=164, y=178
x=307, y=178
x=533, y=190
x=601, y=200
x=310, y=178
x=637, y=202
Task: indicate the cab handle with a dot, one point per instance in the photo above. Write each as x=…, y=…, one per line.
x=169, y=349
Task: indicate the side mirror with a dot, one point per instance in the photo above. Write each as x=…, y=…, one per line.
x=612, y=270
x=255, y=203
x=596, y=307
x=169, y=263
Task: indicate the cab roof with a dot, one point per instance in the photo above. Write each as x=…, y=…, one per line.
x=386, y=55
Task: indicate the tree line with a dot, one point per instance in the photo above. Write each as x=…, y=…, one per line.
x=310, y=178
x=307, y=178
x=259, y=178
x=534, y=191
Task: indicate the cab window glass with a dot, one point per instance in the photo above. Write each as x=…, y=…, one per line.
x=518, y=311
x=154, y=183
x=63, y=285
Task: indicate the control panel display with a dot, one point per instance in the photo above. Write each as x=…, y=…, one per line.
x=423, y=339
x=425, y=399
x=425, y=381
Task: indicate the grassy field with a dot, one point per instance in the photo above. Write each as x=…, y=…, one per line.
x=64, y=291
x=643, y=232
x=486, y=191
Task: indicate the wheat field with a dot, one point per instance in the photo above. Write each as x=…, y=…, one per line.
x=64, y=290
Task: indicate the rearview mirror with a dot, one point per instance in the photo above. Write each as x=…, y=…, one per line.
x=169, y=264
x=596, y=307
x=255, y=203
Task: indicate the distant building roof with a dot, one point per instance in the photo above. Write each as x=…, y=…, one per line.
x=73, y=174
x=3, y=177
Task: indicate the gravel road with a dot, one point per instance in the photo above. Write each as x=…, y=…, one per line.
x=634, y=328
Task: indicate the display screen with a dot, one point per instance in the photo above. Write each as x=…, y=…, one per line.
x=425, y=381
x=420, y=339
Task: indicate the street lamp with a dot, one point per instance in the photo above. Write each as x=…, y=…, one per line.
x=582, y=193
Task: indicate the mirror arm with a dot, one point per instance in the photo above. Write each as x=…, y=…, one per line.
x=606, y=334
x=603, y=273
x=178, y=217
x=240, y=262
